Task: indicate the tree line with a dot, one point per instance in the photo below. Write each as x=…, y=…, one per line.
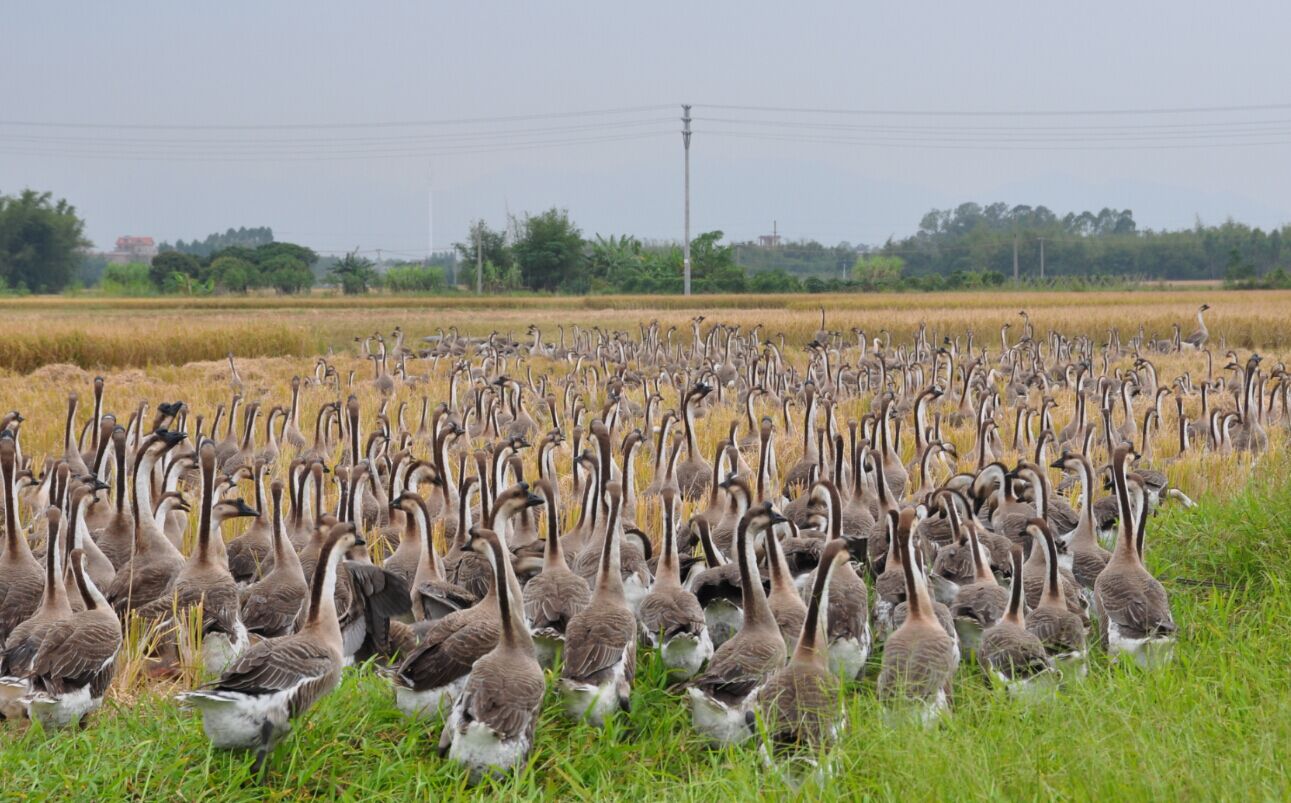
x=43, y=250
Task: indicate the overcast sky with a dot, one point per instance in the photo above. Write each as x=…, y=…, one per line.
x=827, y=176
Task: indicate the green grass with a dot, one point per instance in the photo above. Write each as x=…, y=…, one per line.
x=1215, y=723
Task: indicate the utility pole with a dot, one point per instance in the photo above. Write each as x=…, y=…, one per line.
x=1015, y=259
x=479, y=258
x=685, y=243
x=1041, y=257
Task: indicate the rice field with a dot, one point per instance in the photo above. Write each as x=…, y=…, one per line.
x=1213, y=724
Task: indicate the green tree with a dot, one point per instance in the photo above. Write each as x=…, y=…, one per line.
x=878, y=271
x=492, y=246
x=353, y=274
x=40, y=242
x=286, y=274
x=234, y=274
x=712, y=266
x=170, y=264
x=550, y=253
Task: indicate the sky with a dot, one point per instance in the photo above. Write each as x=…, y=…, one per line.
x=382, y=125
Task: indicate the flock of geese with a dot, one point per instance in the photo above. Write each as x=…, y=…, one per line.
x=507, y=531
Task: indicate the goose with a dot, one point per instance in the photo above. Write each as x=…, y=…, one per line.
x=693, y=474
x=849, y=636
x=1088, y=558
x=429, y=679
x=799, y=703
x=671, y=617
x=253, y=702
x=1010, y=653
x=97, y=566
x=150, y=569
x=1132, y=608
x=556, y=594
x=433, y=597
x=1061, y=631
x=22, y=580
x=786, y=603
x=722, y=695
x=919, y=658
x=20, y=647
x=250, y=552
x=77, y=657
x=291, y=433
x=717, y=587
x=205, y=579
x=980, y=604
x=601, y=639
x=491, y=726
x=271, y=605
x=1197, y=340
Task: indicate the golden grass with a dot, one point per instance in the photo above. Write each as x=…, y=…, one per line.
x=100, y=334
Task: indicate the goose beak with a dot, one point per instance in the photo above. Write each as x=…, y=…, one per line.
x=246, y=510
x=534, y=500
x=777, y=518
x=358, y=539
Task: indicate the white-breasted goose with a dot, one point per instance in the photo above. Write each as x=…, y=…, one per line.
x=980, y=603
x=76, y=659
x=433, y=597
x=800, y=704
x=721, y=697
x=555, y=595
x=251, y=705
x=1132, y=608
x=249, y=553
x=1088, y=558
x=919, y=658
x=491, y=726
x=671, y=617
x=271, y=605
x=601, y=640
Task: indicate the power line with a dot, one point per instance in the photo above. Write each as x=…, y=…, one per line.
x=877, y=112
x=351, y=125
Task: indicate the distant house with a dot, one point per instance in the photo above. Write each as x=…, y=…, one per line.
x=133, y=249
x=769, y=240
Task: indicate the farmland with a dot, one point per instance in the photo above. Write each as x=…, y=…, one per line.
x=1213, y=721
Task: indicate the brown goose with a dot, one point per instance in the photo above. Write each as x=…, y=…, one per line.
x=205, y=579
x=849, y=637
x=601, y=640
x=799, y=703
x=671, y=618
x=19, y=649
x=919, y=658
x=693, y=474
x=555, y=595
x=97, y=566
x=116, y=538
x=1009, y=652
x=491, y=726
x=1132, y=607
x=150, y=570
x=721, y=697
x=76, y=659
x=249, y=552
x=429, y=679
x=271, y=605
x=786, y=603
x=1088, y=558
x=22, y=581
x=252, y=704
x=433, y=597
x=980, y=603
x=1061, y=631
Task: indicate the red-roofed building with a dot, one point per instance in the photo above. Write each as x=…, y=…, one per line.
x=133, y=249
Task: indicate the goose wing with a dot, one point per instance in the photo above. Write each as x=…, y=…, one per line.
x=75, y=651
x=449, y=649
x=276, y=665
x=504, y=700
x=595, y=644
x=738, y=669
x=270, y=608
